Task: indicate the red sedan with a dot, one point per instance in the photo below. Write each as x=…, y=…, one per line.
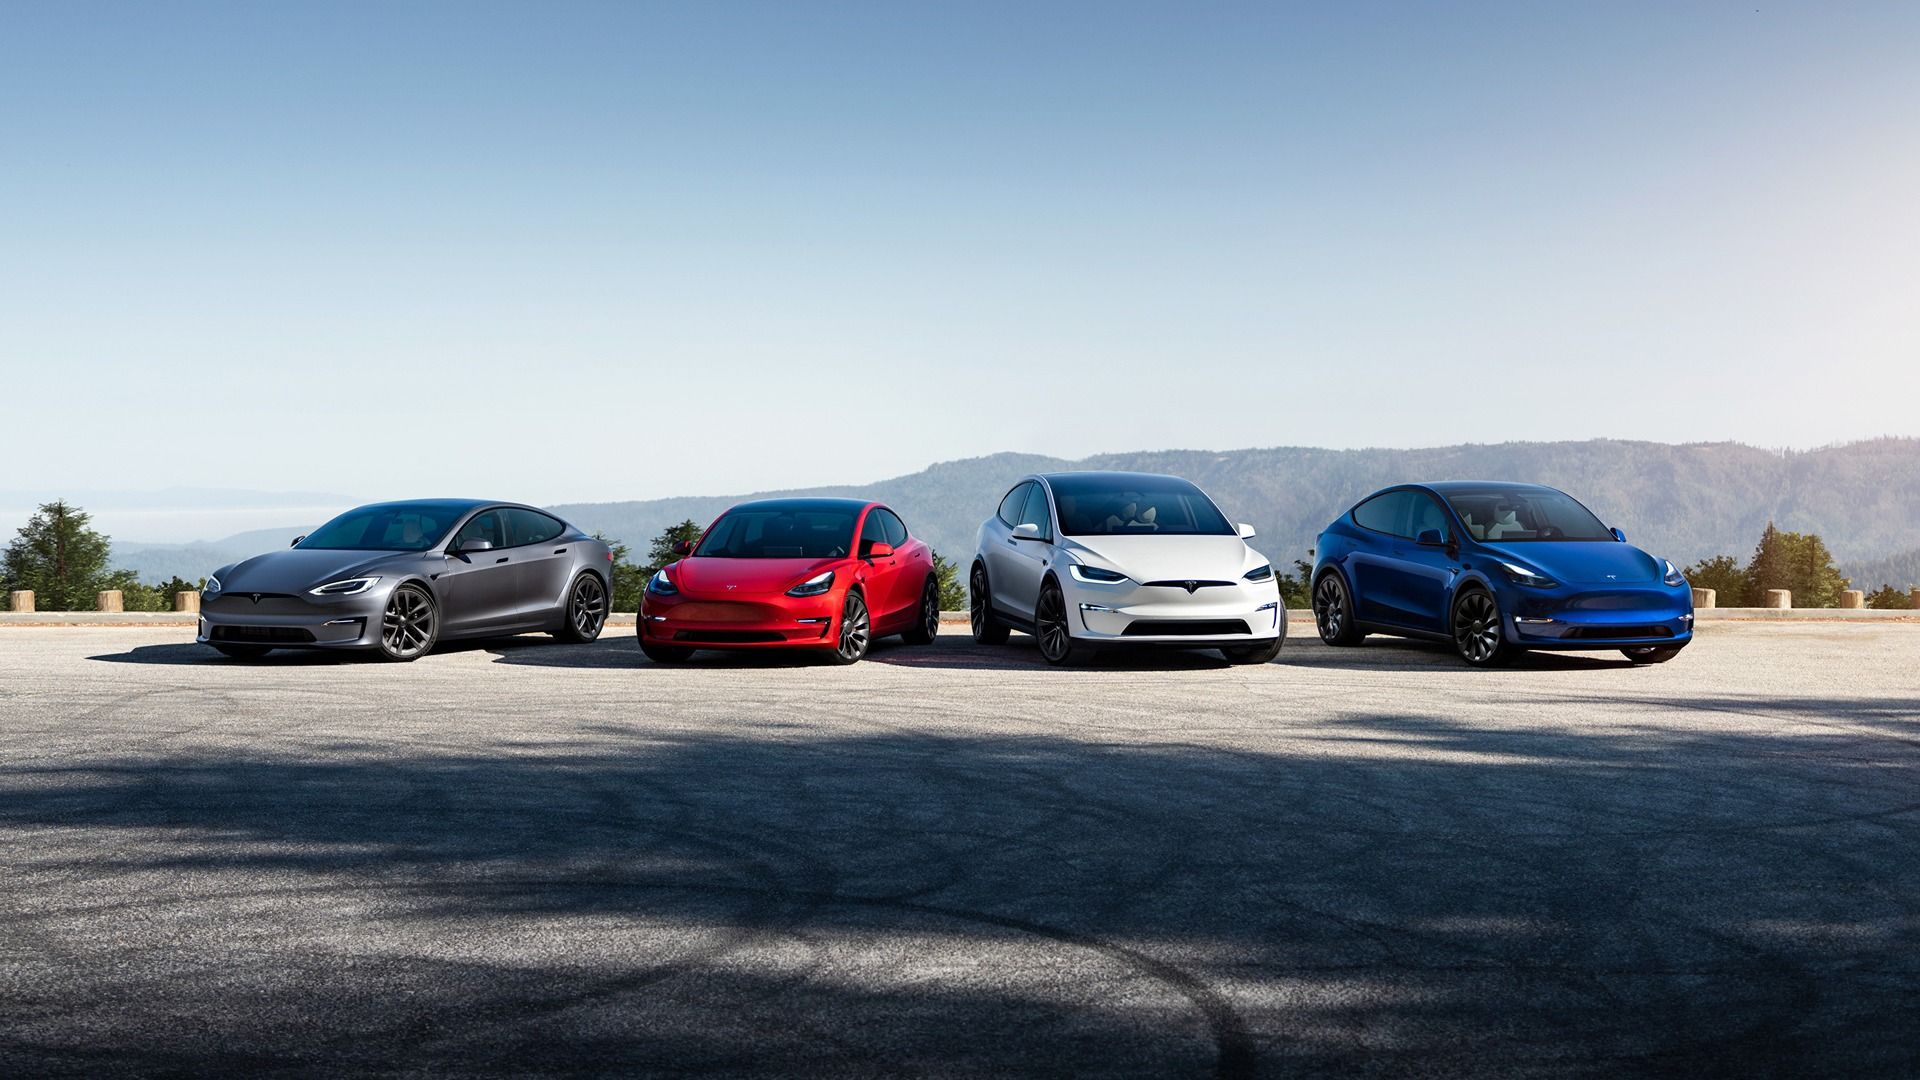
x=790, y=573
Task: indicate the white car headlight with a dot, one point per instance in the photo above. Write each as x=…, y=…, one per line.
x=212, y=586
x=1098, y=575
x=1673, y=576
x=816, y=585
x=1524, y=576
x=344, y=587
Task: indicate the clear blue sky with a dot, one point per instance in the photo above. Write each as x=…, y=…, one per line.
x=562, y=252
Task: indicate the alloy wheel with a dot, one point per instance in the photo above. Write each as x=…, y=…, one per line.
x=977, y=600
x=587, y=611
x=930, y=611
x=1329, y=608
x=1051, y=621
x=1476, y=627
x=407, y=629
x=854, y=629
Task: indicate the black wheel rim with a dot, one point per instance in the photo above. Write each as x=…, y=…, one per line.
x=588, y=611
x=1476, y=627
x=977, y=600
x=930, y=610
x=853, y=628
x=1051, y=621
x=1329, y=608
x=407, y=629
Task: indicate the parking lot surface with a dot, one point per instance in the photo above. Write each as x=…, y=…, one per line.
x=526, y=857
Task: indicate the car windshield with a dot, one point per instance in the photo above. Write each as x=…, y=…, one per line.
x=781, y=531
x=1510, y=515
x=392, y=527
x=1135, y=505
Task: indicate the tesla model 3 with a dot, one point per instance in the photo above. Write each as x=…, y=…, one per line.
x=1087, y=560
x=1496, y=569
x=397, y=578
x=828, y=575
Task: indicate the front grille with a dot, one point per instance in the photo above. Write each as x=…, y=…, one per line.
x=1614, y=633
x=1184, y=584
x=727, y=637
x=1185, y=628
x=278, y=634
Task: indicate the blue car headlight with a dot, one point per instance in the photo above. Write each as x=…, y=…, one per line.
x=1098, y=575
x=813, y=586
x=211, y=588
x=1260, y=573
x=1673, y=576
x=1521, y=575
x=660, y=585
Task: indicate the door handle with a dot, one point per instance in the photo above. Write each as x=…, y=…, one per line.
x=1011, y=542
x=559, y=551
x=500, y=560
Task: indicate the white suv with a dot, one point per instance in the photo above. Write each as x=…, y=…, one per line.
x=1088, y=559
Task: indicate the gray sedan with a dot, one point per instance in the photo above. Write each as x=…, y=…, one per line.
x=399, y=577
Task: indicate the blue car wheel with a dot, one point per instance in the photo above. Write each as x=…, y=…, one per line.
x=1477, y=630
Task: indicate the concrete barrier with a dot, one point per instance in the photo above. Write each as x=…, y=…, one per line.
x=1704, y=598
x=1777, y=598
x=20, y=601
x=111, y=600
x=186, y=600
x=1915, y=597
x=1853, y=598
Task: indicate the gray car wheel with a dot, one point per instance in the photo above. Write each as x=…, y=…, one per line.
x=410, y=625
x=586, y=611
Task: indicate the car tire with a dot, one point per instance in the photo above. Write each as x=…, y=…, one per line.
x=410, y=626
x=1651, y=654
x=987, y=627
x=854, y=631
x=1053, y=631
x=1333, y=611
x=586, y=612
x=1253, y=654
x=666, y=655
x=1478, y=631
x=243, y=652
x=928, y=628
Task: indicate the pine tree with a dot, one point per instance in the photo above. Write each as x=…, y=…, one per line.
x=953, y=593
x=1817, y=583
x=1771, y=566
x=660, y=553
x=57, y=556
x=1888, y=598
x=1724, y=575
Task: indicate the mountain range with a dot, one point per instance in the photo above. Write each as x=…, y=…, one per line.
x=1682, y=501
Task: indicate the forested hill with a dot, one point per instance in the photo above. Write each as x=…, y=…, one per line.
x=1684, y=502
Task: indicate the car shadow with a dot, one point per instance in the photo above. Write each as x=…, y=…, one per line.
x=1379, y=652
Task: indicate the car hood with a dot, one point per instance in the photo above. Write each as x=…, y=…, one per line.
x=1169, y=558
x=729, y=579
x=1583, y=562
x=296, y=570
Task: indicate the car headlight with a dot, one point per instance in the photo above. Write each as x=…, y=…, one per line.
x=211, y=587
x=660, y=585
x=1520, y=575
x=1673, y=576
x=1260, y=573
x=1099, y=575
x=345, y=586
x=813, y=586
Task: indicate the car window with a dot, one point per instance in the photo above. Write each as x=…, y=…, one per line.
x=1427, y=514
x=1037, y=513
x=779, y=532
x=873, y=531
x=896, y=529
x=1387, y=513
x=488, y=525
x=382, y=528
x=531, y=527
x=1509, y=515
x=1014, y=504
x=1094, y=504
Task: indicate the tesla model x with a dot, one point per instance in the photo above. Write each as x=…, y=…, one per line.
x=1496, y=569
x=397, y=578
x=828, y=575
x=1088, y=560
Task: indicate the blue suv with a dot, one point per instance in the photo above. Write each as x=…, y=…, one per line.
x=1497, y=569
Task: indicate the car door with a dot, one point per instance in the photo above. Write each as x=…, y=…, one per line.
x=882, y=573
x=541, y=558
x=1420, y=574
x=479, y=589
x=1030, y=558
x=916, y=566
x=1370, y=566
x=1002, y=555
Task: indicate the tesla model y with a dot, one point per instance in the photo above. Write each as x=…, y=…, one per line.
x=1496, y=569
x=396, y=578
x=1086, y=560
x=822, y=574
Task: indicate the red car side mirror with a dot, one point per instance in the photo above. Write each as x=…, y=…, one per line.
x=683, y=547
x=879, y=550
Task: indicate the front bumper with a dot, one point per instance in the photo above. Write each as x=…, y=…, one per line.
x=1584, y=617
x=759, y=622
x=293, y=622
x=1129, y=613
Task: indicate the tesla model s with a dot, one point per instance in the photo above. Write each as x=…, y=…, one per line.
x=828, y=575
x=1496, y=569
x=397, y=578
x=1087, y=560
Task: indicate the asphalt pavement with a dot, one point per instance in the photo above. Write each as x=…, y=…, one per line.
x=531, y=858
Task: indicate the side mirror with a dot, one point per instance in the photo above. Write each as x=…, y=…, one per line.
x=469, y=546
x=879, y=549
x=1618, y=535
x=1245, y=530
x=1431, y=538
x=297, y=539
x=683, y=547
x=1026, y=531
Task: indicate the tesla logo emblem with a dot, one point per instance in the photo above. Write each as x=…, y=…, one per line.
x=256, y=598
x=1190, y=586
x=730, y=588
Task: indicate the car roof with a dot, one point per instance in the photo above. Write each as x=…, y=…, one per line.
x=1117, y=478
x=1447, y=486
x=455, y=505
x=802, y=502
